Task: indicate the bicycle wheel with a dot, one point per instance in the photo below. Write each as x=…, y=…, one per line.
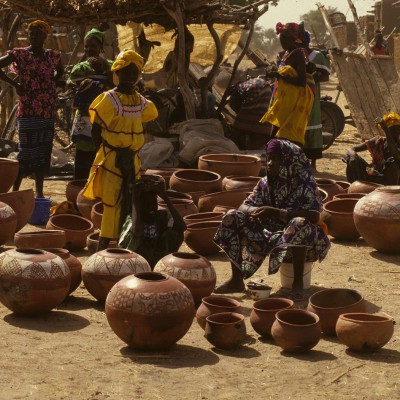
x=336, y=113
x=329, y=129
x=10, y=131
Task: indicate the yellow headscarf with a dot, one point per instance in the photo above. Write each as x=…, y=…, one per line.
x=126, y=58
x=391, y=119
x=43, y=26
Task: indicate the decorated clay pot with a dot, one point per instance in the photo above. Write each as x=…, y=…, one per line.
x=92, y=241
x=233, y=199
x=9, y=172
x=103, y=269
x=328, y=304
x=73, y=188
x=183, y=206
x=199, y=237
x=40, y=239
x=165, y=173
x=296, y=331
x=330, y=187
x=213, y=305
x=344, y=185
x=340, y=221
x=22, y=202
x=356, y=196
x=8, y=223
x=263, y=314
x=32, y=281
x=231, y=164
x=202, y=217
x=190, y=180
x=225, y=330
x=196, y=196
x=362, y=187
x=76, y=229
x=193, y=270
x=150, y=310
x=323, y=195
x=85, y=205
x=246, y=183
x=96, y=215
x=377, y=219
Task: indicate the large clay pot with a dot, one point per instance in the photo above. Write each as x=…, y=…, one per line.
x=356, y=196
x=165, y=173
x=363, y=187
x=199, y=237
x=377, y=219
x=344, y=185
x=222, y=209
x=226, y=179
x=85, y=205
x=150, y=310
x=190, y=180
x=32, y=281
x=40, y=239
x=328, y=304
x=96, y=215
x=76, y=229
x=73, y=188
x=202, y=217
x=225, y=330
x=233, y=199
x=105, y=268
x=9, y=172
x=183, y=206
x=246, y=183
x=173, y=194
x=22, y=202
x=214, y=305
x=92, y=241
x=8, y=223
x=193, y=270
x=296, y=331
x=340, y=221
x=364, y=332
x=231, y=164
x=196, y=196
x=262, y=315
x=330, y=187
x=323, y=195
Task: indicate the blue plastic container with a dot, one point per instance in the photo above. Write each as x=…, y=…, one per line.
x=41, y=212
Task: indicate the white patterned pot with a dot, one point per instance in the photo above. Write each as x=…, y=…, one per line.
x=8, y=223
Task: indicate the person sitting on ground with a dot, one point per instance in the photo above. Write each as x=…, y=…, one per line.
x=384, y=151
x=379, y=47
x=280, y=219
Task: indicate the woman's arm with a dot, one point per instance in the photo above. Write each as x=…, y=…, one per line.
x=352, y=151
x=96, y=135
x=298, y=62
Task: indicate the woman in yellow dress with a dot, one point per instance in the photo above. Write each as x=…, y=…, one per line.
x=117, y=131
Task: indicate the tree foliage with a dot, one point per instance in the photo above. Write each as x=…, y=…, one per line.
x=266, y=41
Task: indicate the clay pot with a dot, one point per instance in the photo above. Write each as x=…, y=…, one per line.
x=199, y=237
x=356, y=196
x=363, y=187
x=226, y=179
x=40, y=239
x=76, y=229
x=340, y=222
x=73, y=188
x=364, y=332
x=344, y=185
x=183, y=206
x=223, y=209
x=85, y=205
x=328, y=304
x=262, y=315
x=330, y=187
x=202, y=217
x=244, y=183
x=96, y=215
x=9, y=172
x=296, y=331
x=103, y=269
x=92, y=241
x=377, y=219
x=214, y=305
x=8, y=223
x=150, y=310
x=32, y=281
x=165, y=173
x=193, y=270
x=189, y=180
x=196, y=196
x=323, y=195
x=173, y=194
x=230, y=164
x=22, y=202
x=225, y=330
x=233, y=199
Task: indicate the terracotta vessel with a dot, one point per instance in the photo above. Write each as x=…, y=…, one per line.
x=9, y=172
x=8, y=223
x=296, y=331
x=230, y=164
x=150, y=310
x=85, y=205
x=92, y=242
x=340, y=222
x=214, y=305
x=223, y=209
x=330, y=187
x=96, y=215
x=225, y=330
x=226, y=179
x=22, y=202
x=364, y=332
x=196, y=196
x=40, y=239
x=193, y=270
x=73, y=188
x=76, y=229
x=356, y=196
x=233, y=199
x=363, y=187
x=377, y=219
x=199, y=237
x=246, y=183
x=183, y=206
x=190, y=180
x=263, y=314
x=328, y=304
x=344, y=185
x=323, y=195
x=202, y=217
x=32, y=281
x=105, y=268
x=163, y=172
x=173, y=194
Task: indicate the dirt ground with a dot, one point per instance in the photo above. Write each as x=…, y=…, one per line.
x=72, y=353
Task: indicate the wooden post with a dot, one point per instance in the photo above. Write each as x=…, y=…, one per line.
x=82, y=30
x=328, y=25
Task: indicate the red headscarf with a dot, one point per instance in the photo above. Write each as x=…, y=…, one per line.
x=295, y=31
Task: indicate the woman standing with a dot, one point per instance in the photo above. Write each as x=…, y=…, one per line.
x=38, y=72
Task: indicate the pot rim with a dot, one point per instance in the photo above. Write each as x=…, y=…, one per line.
x=238, y=316
x=389, y=189
x=142, y=276
x=257, y=304
x=379, y=318
x=251, y=159
x=198, y=226
x=6, y=160
x=185, y=256
x=335, y=289
x=217, y=177
x=206, y=300
x=297, y=311
x=324, y=206
x=223, y=192
x=47, y=232
x=325, y=181
x=199, y=215
x=91, y=226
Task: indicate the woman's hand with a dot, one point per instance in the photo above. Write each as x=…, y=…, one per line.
x=272, y=75
x=263, y=213
x=99, y=64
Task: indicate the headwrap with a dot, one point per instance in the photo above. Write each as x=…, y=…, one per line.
x=295, y=31
x=307, y=36
x=41, y=25
x=97, y=34
x=126, y=58
x=273, y=147
x=391, y=119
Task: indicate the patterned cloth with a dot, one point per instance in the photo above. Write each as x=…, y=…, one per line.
x=247, y=242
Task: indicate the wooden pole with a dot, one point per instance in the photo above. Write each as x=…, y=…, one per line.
x=328, y=25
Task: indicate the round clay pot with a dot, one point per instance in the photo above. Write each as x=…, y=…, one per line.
x=189, y=180
x=73, y=188
x=262, y=315
x=173, y=194
x=22, y=202
x=362, y=187
x=364, y=332
x=328, y=304
x=96, y=215
x=340, y=222
x=9, y=172
x=223, y=209
x=103, y=269
x=330, y=187
x=165, y=173
x=85, y=205
x=344, y=185
x=32, y=281
x=193, y=270
x=40, y=239
x=213, y=305
x=150, y=310
x=377, y=219
x=8, y=223
x=356, y=196
x=233, y=199
x=196, y=196
x=226, y=179
x=76, y=229
x=92, y=241
x=231, y=164
x=202, y=217
x=245, y=183
x=225, y=330
x=183, y=206
x=199, y=237
x=323, y=195
x=296, y=331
